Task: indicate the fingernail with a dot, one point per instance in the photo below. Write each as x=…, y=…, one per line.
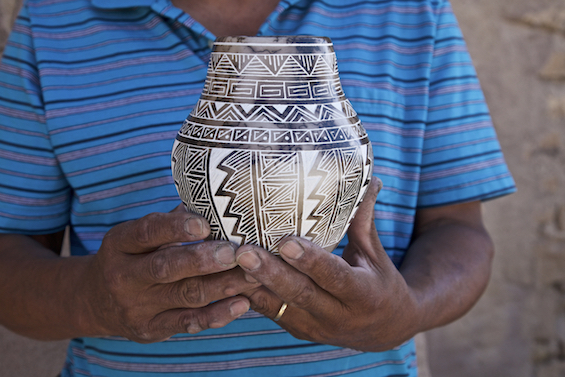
x=292, y=249
x=249, y=260
x=194, y=226
x=238, y=308
x=225, y=254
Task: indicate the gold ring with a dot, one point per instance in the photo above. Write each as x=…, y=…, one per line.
x=281, y=312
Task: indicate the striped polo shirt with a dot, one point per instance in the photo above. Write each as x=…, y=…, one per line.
x=93, y=92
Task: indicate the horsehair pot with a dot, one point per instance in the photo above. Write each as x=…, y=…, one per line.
x=273, y=148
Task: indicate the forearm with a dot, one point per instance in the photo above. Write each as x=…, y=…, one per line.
x=447, y=268
x=40, y=296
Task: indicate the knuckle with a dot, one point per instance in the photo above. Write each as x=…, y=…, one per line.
x=145, y=338
x=260, y=303
x=145, y=228
x=199, y=261
x=304, y=296
x=193, y=293
x=340, y=278
x=322, y=335
x=141, y=334
x=159, y=267
x=193, y=322
x=305, y=333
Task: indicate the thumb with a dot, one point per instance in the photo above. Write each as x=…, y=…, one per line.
x=364, y=242
x=363, y=222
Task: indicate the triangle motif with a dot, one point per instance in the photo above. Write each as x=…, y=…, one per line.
x=214, y=61
x=239, y=61
x=348, y=109
x=264, y=115
x=256, y=67
x=321, y=135
x=281, y=136
x=301, y=114
x=307, y=62
x=225, y=66
x=224, y=134
x=197, y=131
x=241, y=135
x=325, y=65
x=273, y=63
x=329, y=113
x=337, y=135
x=301, y=136
x=230, y=114
x=292, y=67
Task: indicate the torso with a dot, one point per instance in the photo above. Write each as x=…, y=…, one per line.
x=112, y=116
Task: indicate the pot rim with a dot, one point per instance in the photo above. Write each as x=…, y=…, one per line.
x=277, y=40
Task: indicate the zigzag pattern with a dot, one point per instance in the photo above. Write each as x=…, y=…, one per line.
x=237, y=185
x=266, y=196
x=237, y=112
x=278, y=195
x=189, y=168
x=273, y=65
x=341, y=173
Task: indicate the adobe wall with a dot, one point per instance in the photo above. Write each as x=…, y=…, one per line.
x=518, y=327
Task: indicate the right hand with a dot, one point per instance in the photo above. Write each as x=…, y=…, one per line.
x=144, y=285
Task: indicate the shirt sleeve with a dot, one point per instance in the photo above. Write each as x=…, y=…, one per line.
x=34, y=195
x=461, y=160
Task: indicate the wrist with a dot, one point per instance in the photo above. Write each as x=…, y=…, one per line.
x=86, y=302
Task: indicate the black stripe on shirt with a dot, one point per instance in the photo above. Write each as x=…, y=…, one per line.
x=129, y=130
x=496, y=151
x=131, y=90
x=201, y=354
x=123, y=177
x=122, y=53
x=111, y=20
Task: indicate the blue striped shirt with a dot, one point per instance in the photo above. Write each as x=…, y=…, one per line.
x=93, y=92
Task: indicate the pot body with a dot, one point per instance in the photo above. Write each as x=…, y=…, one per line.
x=273, y=148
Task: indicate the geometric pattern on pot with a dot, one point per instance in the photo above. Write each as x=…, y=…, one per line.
x=272, y=89
x=273, y=147
x=259, y=197
x=228, y=111
x=261, y=138
x=273, y=64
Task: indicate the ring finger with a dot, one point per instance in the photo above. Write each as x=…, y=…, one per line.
x=199, y=291
x=289, y=284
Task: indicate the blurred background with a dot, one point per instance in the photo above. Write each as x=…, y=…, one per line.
x=518, y=327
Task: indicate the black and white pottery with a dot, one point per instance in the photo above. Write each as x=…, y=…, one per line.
x=273, y=147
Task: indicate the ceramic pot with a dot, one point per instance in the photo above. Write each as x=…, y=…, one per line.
x=273, y=147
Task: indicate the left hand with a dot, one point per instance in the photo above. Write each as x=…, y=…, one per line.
x=359, y=301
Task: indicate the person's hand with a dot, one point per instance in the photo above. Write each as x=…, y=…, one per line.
x=360, y=301
x=145, y=285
